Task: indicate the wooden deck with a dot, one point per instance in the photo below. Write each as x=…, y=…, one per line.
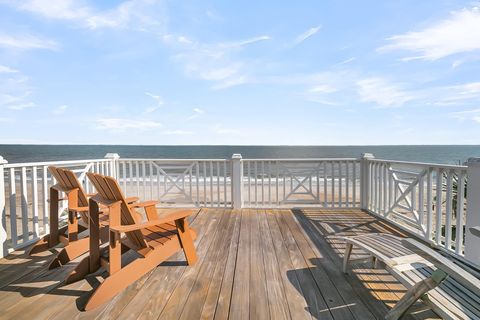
x=257, y=264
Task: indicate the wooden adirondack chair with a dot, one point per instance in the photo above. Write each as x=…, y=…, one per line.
x=154, y=240
x=74, y=235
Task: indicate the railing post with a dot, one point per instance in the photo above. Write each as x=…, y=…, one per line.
x=472, y=242
x=364, y=179
x=237, y=181
x=113, y=163
x=3, y=215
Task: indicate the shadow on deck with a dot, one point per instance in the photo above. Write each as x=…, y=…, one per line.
x=258, y=264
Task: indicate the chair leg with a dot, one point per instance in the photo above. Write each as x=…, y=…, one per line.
x=120, y=280
x=346, y=256
x=186, y=240
x=416, y=292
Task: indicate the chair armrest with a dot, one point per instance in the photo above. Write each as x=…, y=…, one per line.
x=172, y=216
x=131, y=200
x=143, y=204
x=78, y=209
x=453, y=270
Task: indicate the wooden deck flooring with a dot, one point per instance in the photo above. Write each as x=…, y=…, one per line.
x=257, y=264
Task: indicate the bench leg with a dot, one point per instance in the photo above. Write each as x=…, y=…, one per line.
x=415, y=293
x=346, y=256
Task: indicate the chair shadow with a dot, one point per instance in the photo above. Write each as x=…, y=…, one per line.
x=37, y=279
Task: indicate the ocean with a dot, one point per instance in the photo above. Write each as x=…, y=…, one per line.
x=447, y=154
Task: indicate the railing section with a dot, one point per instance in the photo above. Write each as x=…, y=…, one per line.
x=199, y=183
x=330, y=183
x=26, y=185
x=427, y=199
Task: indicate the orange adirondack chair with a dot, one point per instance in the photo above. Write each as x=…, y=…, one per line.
x=154, y=240
x=78, y=220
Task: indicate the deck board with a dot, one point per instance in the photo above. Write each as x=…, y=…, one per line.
x=253, y=263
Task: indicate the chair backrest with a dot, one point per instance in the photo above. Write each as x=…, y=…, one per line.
x=109, y=190
x=68, y=180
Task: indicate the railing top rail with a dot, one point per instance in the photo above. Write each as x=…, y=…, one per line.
x=47, y=163
x=169, y=160
x=424, y=164
x=303, y=159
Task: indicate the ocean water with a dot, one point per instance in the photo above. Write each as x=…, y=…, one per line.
x=447, y=154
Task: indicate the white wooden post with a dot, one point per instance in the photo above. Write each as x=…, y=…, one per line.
x=364, y=179
x=113, y=163
x=237, y=181
x=472, y=242
x=3, y=214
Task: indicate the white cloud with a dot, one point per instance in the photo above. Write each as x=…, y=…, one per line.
x=177, y=132
x=197, y=113
x=382, y=93
x=454, y=35
x=307, y=34
x=121, y=124
x=139, y=14
x=241, y=43
x=231, y=82
x=26, y=42
x=322, y=88
x=473, y=115
x=21, y=106
x=219, y=129
x=217, y=63
x=155, y=97
x=455, y=95
x=60, y=110
x=5, y=69
x=346, y=61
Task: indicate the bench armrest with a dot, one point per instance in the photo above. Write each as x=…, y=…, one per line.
x=173, y=216
x=453, y=270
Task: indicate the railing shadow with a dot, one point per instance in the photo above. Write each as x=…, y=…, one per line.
x=324, y=230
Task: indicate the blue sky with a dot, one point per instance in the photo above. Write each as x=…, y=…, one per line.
x=246, y=72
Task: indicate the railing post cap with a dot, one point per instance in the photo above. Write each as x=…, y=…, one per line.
x=368, y=156
x=3, y=161
x=112, y=156
x=236, y=156
x=473, y=162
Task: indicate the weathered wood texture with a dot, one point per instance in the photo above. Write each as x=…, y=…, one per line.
x=257, y=264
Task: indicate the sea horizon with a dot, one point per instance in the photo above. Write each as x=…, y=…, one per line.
x=446, y=154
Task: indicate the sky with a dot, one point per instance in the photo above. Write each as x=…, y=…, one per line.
x=187, y=72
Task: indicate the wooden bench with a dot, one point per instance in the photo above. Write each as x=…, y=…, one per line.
x=453, y=293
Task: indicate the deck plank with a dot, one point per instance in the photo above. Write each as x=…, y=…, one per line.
x=258, y=286
x=220, y=275
x=277, y=301
x=339, y=308
x=316, y=302
x=224, y=297
x=176, y=303
x=296, y=302
x=196, y=299
x=240, y=300
x=178, y=284
x=253, y=263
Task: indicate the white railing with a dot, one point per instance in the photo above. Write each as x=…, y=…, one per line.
x=25, y=201
x=428, y=200
x=330, y=183
x=178, y=182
